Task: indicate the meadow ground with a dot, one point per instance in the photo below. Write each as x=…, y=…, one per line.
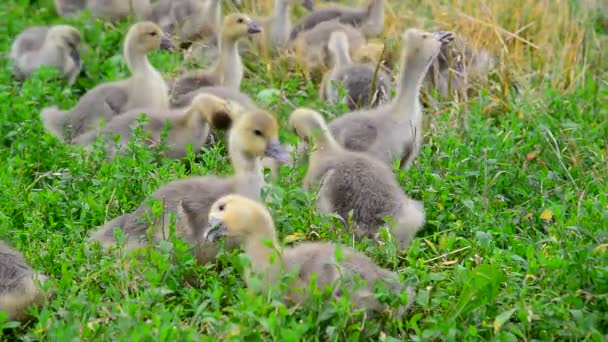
x=515, y=184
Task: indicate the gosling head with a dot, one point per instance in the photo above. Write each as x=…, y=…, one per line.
x=424, y=46
x=238, y=25
x=146, y=36
x=240, y=217
x=212, y=109
x=65, y=36
x=305, y=123
x=256, y=134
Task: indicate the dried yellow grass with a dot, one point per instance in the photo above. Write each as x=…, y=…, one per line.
x=535, y=42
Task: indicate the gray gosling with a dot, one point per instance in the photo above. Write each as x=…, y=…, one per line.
x=67, y=8
x=457, y=67
x=228, y=69
x=364, y=85
x=145, y=88
x=18, y=284
x=112, y=10
x=355, y=182
x=277, y=26
x=393, y=131
x=193, y=20
x=370, y=20
x=188, y=127
x=249, y=222
x=56, y=46
x=252, y=136
x=311, y=47
x=227, y=93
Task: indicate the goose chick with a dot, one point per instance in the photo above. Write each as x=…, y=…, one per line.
x=457, y=67
x=276, y=27
x=249, y=222
x=66, y=8
x=253, y=135
x=188, y=127
x=195, y=19
x=109, y=9
x=145, y=88
x=365, y=85
x=18, y=288
x=311, y=47
x=236, y=97
x=228, y=69
x=355, y=181
x=369, y=19
x=56, y=46
x=394, y=130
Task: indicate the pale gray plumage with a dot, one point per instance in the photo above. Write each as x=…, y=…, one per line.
x=394, y=131
x=457, y=67
x=56, y=46
x=187, y=127
x=18, y=287
x=369, y=19
x=311, y=47
x=145, y=88
x=253, y=135
x=355, y=182
x=248, y=221
x=365, y=85
x=66, y=8
x=226, y=93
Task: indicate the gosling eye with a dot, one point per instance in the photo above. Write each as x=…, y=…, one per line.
x=258, y=133
x=240, y=20
x=221, y=207
x=153, y=34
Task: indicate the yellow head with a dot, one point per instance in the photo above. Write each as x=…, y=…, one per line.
x=307, y=123
x=146, y=36
x=238, y=25
x=240, y=217
x=422, y=47
x=256, y=134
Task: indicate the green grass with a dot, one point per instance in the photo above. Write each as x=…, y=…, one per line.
x=515, y=248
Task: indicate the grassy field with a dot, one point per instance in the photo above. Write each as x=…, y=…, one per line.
x=514, y=181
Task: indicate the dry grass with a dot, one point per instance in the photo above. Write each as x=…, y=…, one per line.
x=534, y=41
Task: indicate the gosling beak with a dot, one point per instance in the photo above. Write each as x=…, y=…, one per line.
x=444, y=37
x=253, y=27
x=276, y=151
x=215, y=229
x=166, y=43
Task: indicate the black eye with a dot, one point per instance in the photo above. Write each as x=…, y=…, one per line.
x=258, y=133
x=153, y=34
x=240, y=20
x=221, y=207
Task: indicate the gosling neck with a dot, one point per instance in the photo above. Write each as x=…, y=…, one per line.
x=243, y=164
x=341, y=54
x=259, y=251
x=281, y=25
x=214, y=13
x=410, y=82
x=322, y=139
x=138, y=62
x=375, y=18
x=229, y=62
